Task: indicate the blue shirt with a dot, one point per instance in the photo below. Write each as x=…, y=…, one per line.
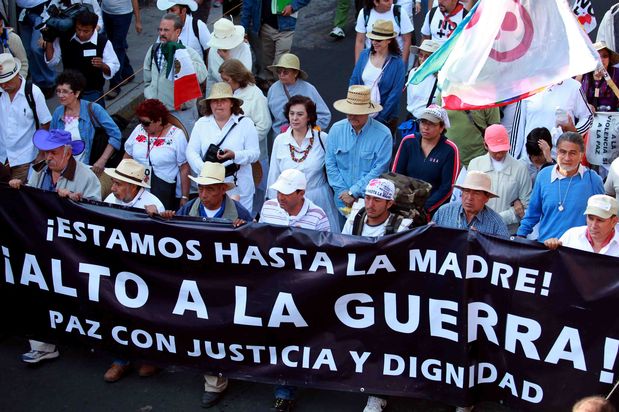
x=352, y=159
x=487, y=221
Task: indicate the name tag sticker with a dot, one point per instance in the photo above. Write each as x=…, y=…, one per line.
x=90, y=53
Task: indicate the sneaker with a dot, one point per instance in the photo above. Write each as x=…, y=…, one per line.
x=375, y=404
x=145, y=370
x=210, y=399
x=116, y=372
x=337, y=33
x=282, y=405
x=36, y=356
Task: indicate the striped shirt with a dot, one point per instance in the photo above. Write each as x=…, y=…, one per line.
x=486, y=221
x=309, y=217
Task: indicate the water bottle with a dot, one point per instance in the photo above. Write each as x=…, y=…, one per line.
x=561, y=117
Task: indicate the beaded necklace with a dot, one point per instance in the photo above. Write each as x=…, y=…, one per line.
x=303, y=153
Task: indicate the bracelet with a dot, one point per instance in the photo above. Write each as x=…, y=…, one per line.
x=184, y=197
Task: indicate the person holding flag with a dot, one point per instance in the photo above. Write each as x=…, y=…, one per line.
x=173, y=73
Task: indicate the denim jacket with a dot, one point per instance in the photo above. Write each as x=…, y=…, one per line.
x=390, y=84
x=87, y=129
x=252, y=11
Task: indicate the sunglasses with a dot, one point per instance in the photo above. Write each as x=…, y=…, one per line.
x=145, y=123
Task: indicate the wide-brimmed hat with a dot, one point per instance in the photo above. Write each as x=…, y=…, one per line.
x=357, y=101
x=130, y=171
x=212, y=174
x=603, y=206
x=289, y=181
x=435, y=114
x=382, y=30
x=496, y=138
x=476, y=180
x=168, y=4
x=10, y=67
x=289, y=61
x=613, y=56
x=226, y=35
x=221, y=90
x=428, y=46
x=52, y=139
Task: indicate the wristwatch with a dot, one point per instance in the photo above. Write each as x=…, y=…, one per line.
x=350, y=193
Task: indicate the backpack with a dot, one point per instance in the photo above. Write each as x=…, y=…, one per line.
x=31, y=102
x=410, y=197
x=196, y=32
x=396, y=15
x=393, y=223
x=433, y=12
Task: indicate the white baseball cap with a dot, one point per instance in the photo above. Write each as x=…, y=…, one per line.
x=602, y=206
x=289, y=181
x=380, y=188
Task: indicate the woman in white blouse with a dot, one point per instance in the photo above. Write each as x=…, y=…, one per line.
x=161, y=148
x=302, y=147
x=224, y=125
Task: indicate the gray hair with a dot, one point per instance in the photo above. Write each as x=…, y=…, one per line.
x=572, y=137
x=177, y=20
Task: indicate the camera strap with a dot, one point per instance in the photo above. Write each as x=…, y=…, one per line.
x=229, y=130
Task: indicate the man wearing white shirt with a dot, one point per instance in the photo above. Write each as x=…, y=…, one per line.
x=88, y=52
x=195, y=33
x=129, y=184
x=441, y=21
x=292, y=208
x=599, y=235
x=17, y=118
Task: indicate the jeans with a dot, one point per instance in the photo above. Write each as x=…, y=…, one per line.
x=286, y=392
x=42, y=75
x=117, y=28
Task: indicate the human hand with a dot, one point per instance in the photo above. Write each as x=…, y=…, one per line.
x=98, y=167
x=63, y=192
x=518, y=208
x=227, y=154
x=14, y=183
x=75, y=196
x=545, y=148
x=552, y=243
x=224, y=54
x=238, y=222
x=97, y=62
x=347, y=199
x=151, y=210
x=287, y=11
x=138, y=27
x=167, y=214
x=417, y=8
x=183, y=201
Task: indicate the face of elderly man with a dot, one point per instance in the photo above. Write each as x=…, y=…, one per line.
x=167, y=32
x=569, y=156
x=601, y=229
x=473, y=201
x=58, y=158
x=124, y=191
x=212, y=196
x=291, y=203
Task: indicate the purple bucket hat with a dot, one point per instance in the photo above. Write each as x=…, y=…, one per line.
x=49, y=140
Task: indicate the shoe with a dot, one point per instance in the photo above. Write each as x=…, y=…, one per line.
x=36, y=356
x=146, y=370
x=337, y=33
x=210, y=399
x=464, y=409
x=282, y=405
x=116, y=372
x=112, y=94
x=375, y=404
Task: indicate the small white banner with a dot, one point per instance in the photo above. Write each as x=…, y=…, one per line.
x=603, y=145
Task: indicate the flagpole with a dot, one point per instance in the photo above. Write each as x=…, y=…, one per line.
x=609, y=80
x=611, y=392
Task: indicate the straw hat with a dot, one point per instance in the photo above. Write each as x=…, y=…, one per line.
x=212, y=174
x=357, y=101
x=221, y=90
x=476, y=180
x=289, y=61
x=10, y=67
x=382, y=30
x=168, y=4
x=130, y=171
x=226, y=35
x=614, y=56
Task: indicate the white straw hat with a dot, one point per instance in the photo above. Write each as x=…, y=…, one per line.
x=130, y=171
x=212, y=174
x=226, y=35
x=476, y=180
x=357, y=101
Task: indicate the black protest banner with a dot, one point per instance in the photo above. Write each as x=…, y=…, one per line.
x=433, y=313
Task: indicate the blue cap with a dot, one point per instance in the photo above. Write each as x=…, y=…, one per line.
x=52, y=139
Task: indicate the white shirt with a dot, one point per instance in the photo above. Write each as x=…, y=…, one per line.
x=17, y=125
x=109, y=55
x=242, y=52
x=256, y=107
x=441, y=27
x=140, y=201
x=405, y=26
x=117, y=7
x=309, y=217
x=417, y=95
x=372, y=231
x=611, y=185
x=73, y=128
x=242, y=140
x=576, y=238
x=188, y=36
x=167, y=153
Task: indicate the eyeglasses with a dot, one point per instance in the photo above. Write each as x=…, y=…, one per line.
x=63, y=92
x=145, y=123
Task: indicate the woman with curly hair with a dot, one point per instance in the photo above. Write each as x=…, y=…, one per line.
x=160, y=147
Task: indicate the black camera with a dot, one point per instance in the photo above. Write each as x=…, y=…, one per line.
x=211, y=156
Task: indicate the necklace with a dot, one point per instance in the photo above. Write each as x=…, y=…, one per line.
x=303, y=153
x=563, y=199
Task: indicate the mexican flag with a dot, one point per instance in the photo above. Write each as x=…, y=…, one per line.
x=183, y=74
x=507, y=50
